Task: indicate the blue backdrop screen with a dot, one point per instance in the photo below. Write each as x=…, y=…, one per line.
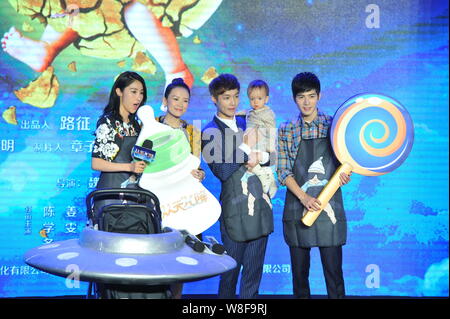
x=397, y=223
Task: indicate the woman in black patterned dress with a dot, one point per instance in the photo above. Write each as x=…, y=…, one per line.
x=117, y=132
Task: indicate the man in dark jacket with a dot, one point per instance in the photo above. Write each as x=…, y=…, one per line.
x=247, y=218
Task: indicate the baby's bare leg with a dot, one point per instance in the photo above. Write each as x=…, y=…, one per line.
x=37, y=54
x=160, y=42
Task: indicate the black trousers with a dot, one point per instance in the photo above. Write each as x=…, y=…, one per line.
x=331, y=258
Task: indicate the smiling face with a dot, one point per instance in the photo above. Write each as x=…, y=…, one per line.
x=307, y=104
x=227, y=103
x=130, y=99
x=177, y=102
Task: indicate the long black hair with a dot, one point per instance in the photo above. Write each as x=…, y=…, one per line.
x=122, y=81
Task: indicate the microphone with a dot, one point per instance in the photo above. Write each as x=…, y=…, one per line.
x=148, y=144
x=214, y=245
x=193, y=242
x=144, y=152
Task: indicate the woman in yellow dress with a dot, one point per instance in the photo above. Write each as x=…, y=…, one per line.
x=175, y=104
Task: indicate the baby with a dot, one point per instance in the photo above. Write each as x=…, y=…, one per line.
x=262, y=118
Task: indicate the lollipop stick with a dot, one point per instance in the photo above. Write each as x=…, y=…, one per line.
x=327, y=192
